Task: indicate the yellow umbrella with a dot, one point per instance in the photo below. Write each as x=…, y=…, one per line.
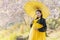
x=31, y=7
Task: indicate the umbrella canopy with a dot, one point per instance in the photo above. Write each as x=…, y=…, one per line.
x=31, y=7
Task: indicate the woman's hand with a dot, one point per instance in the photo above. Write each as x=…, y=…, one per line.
x=35, y=28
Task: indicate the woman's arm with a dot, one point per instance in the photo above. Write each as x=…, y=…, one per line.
x=31, y=24
x=43, y=22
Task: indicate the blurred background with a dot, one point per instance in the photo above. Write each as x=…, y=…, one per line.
x=14, y=22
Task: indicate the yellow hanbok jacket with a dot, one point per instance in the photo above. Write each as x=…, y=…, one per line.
x=38, y=30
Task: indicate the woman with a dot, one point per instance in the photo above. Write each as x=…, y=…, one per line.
x=38, y=27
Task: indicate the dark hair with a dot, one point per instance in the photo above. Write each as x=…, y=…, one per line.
x=40, y=12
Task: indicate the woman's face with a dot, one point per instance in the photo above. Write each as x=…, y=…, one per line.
x=38, y=14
